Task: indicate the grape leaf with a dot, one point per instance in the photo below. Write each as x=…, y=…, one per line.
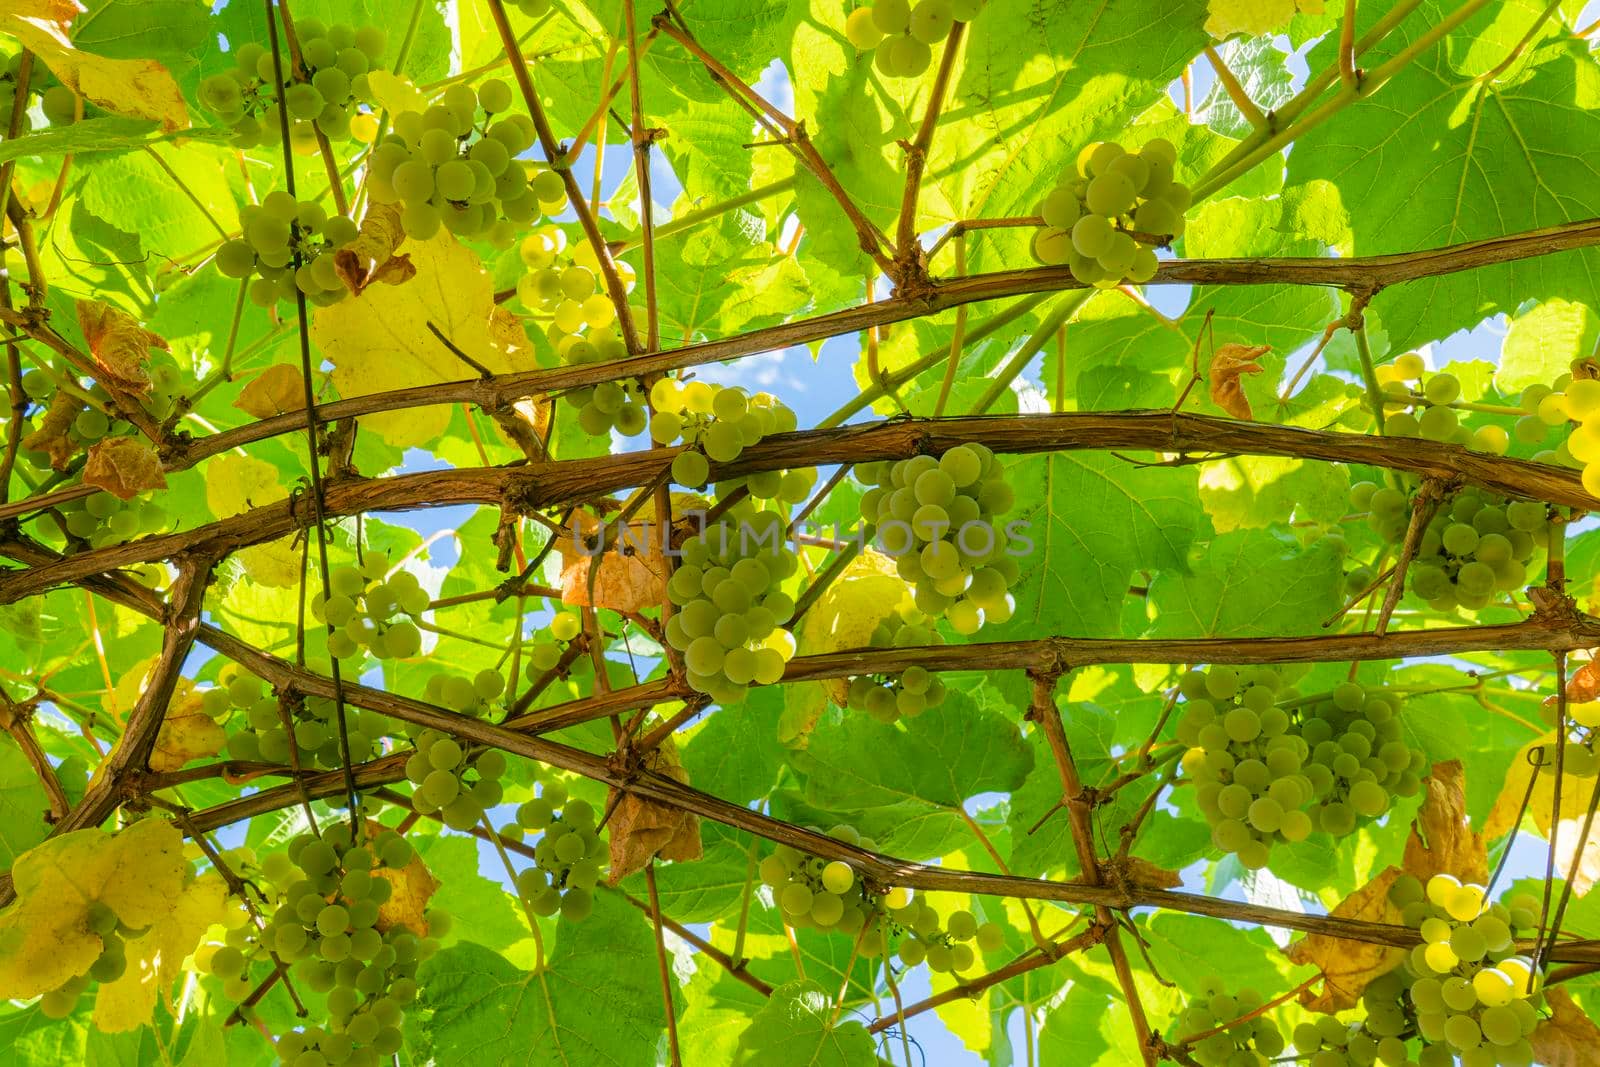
x=796, y=1028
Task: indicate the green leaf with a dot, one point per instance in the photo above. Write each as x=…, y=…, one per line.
x=597, y=1003
x=1499, y=160
x=24, y=805
x=1250, y=583
x=1543, y=341
x=1090, y=521
x=136, y=195
x=796, y=1028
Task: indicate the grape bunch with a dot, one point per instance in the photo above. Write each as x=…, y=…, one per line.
x=1104, y=221
x=827, y=895
x=1573, y=407
x=1253, y=1042
x=1419, y=404
x=1475, y=546
x=102, y=519
x=566, y=286
x=1272, y=765
x=1377, y=1037
x=545, y=653
x=455, y=166
x=901, y=34
x=59, y=103
x=328, y=94
x=717, y=423
x=569, y=856
x=367, y=611
x=887, y=697
x=1578, y=755
x=448, y=779
x=288, y=246
x=731, y=604
x=327, y=925
x=1247, y=758
x=1471, y=994
x=1359, y=761
x=260, y=734
x=938, y=519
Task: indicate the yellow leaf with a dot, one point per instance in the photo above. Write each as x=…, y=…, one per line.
x=124, y=467
x=395, y=94
x=155, y=959
x=1575, y=794
x=630, y=576
x=380, y=339
x=119, y=344
x=238, y=483
x=44, y=935
x=412, y=886
x=275, y=564
x=867, y=592
x=278, y=389
x=137, y=88
x=1441, y=841
x=187, y=732
x=1347, y=966
x=1569, y=1038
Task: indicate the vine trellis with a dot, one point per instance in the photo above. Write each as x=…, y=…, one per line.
x=538, y=483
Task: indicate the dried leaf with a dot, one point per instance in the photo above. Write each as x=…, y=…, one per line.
x=137, y=88
x=371, y=258
x=630, y=576
x=1347, y=966
x=187, y=732
x=124, y=467
x=278, y=389
x=1569, y=1038
x=413, y=886
x=1441, y=841
x=1141, y=874
x=119, y=344
x=59, y=11
x=1229, y=365
x=1584, y=685
x=51, y=436
x=642, y=830
x=1575, y=794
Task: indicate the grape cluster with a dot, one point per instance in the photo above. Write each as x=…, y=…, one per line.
x=887, y=697
x=288, y=245
x=828, y=895
x=103, y=519
x=1253, y=1042
x=457, y=784
x=717, y=423
x=569, y=856
x=455, y=166
x=260, y=734
x=59, y=103
x=1573, y=406
x=1247, y=759
x=327, y=94
x=1475, y=546
x=1471, y=994
x=938, y=519
x=1104, y=220
x=544, y=654
x=1377, y=1037
x=326, y=924
x=1274, y=766
x=369, y=612
x=1578, y=755
x=1419, y=404
x=566, y=286
x=901, y=34
x=731, y=605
